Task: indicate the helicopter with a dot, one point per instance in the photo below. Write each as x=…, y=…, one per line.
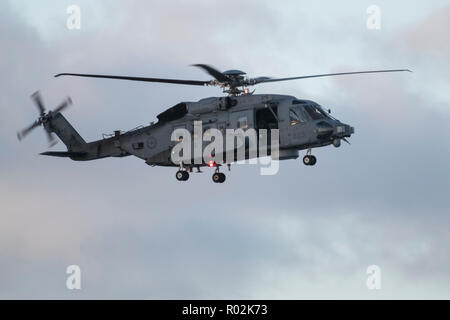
x=302, y=124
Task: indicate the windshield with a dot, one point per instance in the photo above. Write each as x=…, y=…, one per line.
x=305, y=110
x=325, y=113
x=315, y=112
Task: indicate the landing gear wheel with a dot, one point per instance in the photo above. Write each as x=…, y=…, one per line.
x=182, y=175
x=218, y=177
x=309, y=160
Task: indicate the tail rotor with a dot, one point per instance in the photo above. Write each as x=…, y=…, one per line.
x=44, y=118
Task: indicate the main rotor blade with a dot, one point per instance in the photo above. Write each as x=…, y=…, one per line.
x=324, y=75
x=38, y=100
x=174, y=81
x=63, y=105
x=219, y=76
x=24, y=132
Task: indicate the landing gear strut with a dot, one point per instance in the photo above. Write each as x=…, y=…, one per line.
x=309, y=159
x=182, y=174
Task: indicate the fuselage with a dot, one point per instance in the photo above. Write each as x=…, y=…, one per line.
x=302, y=124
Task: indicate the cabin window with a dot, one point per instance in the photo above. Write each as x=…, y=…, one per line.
x=138, y=145
x=242, y=123
x=297, y=115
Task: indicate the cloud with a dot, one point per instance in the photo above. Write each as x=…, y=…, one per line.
x=431, y=35
x=305, y=233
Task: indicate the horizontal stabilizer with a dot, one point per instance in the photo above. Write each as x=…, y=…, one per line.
x=64, y=154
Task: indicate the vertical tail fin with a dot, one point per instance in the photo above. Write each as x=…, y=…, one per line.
x=64, y=130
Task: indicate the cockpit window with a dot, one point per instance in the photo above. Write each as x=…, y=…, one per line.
x=294, y=117
x=315, y=112
x=324, y=113
x=297, y=115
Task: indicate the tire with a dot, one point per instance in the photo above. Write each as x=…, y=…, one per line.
x=222, y=177
x=216, y=177
x=307, y=160
x=313, y=160
x=185, y=175
x=179, y=175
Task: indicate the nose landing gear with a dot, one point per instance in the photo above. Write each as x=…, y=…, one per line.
x=309, y=159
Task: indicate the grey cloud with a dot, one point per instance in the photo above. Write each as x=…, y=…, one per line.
x=431, y=35
x=304, y=233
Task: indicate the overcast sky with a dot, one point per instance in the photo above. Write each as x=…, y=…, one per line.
x=307, y=232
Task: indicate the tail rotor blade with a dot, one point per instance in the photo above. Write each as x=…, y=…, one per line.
x=51, y=139
x=63, y=105
x=38, y=100
x=24, y=132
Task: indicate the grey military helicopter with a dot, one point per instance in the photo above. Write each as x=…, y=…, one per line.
x=302, y=124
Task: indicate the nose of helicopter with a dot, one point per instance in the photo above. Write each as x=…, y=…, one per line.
x=343, y=130
x=334, y=130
